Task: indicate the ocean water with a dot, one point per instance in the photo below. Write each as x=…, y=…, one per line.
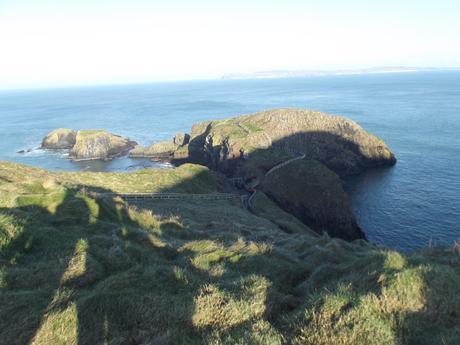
x=408, y=206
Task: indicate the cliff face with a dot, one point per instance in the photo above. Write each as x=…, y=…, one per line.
x=91, y=145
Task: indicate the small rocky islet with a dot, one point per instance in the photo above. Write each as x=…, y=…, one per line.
x=88, y=144
x=247, y=147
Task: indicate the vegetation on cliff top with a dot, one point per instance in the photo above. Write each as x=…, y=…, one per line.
x=78, y=270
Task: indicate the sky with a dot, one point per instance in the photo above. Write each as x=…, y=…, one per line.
x=79, y=42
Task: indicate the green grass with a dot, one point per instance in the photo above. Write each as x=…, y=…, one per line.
x=252, y=127
x=188, y=178
x=91, y=132
x=74, y=270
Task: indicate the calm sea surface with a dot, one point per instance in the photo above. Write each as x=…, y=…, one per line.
x=417, y=114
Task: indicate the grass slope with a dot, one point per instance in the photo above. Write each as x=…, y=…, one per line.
x=74, y=270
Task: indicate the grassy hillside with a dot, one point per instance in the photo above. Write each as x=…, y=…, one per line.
x=76, y=270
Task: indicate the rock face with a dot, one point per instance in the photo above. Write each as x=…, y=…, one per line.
x=61, y=138
x=314, y=194
x=91, y=145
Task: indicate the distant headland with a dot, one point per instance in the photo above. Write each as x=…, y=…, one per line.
x=325, y=72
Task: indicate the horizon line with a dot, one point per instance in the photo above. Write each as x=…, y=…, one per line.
x=243, y=76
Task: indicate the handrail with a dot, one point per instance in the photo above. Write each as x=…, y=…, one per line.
x=159, y=195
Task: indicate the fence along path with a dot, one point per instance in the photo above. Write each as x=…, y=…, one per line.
x=279, y=166
x=189, y=196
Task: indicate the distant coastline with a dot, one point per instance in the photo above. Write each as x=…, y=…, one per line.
x=315, y=73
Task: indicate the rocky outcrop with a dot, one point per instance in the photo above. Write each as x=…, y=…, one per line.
x=92, y=145
x=313, y=193
x=61, y=138
x=88, y=145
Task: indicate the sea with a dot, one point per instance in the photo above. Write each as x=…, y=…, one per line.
x=414, y=204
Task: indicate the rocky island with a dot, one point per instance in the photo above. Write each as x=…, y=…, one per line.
x=88, y=144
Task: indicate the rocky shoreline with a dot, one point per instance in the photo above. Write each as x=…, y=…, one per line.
x=247, y=147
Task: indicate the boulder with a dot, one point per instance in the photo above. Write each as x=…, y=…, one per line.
x=92, y=145
x=61, y=138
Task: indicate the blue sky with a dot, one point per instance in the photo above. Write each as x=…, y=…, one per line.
x=53, y=43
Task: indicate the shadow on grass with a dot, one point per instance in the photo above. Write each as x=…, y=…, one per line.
x=76, y=269
x=89, y=271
